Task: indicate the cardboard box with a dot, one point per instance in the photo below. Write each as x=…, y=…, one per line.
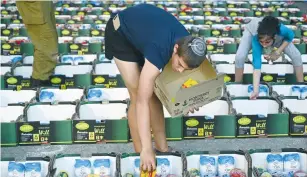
x=178, y=100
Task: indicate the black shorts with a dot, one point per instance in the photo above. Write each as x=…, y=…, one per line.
x=118, y=46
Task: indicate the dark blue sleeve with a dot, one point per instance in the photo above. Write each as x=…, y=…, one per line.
x=257, y=51
x=153, y=55
x=287, y=33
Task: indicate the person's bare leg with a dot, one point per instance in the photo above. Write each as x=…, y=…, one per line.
x=299, y=73
x=239, y=74
x=241, y=55
x=297, y=62
x=130, y=72
x=157, y=122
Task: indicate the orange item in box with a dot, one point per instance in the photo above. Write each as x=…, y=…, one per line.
x=148, y=174
x=189, y=83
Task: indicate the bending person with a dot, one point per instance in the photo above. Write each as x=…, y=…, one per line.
x=266, y=33
x=142, y=39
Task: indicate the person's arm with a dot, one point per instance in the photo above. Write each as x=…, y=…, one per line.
x=145, y=91
x=257, y=51
x=288, y=35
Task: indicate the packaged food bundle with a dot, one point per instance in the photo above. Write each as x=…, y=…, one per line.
x=100, y=167
x=16, y=169
x=263, y=90
x=24, y=170
x=300, y=92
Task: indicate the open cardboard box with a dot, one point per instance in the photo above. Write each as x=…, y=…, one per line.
x=297, y=115
x=194, y=167
x=168, y=164
x=259, y=158
x=65, y=163
x=269, y=119
x=44, y=162
x=178, y=100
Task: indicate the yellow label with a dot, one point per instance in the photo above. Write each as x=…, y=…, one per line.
x=18, y=87
x=81, y=13
x=99, y=80
x=63, y=86
x=106, y=13
x=65, y=5
x=227, y=78
x=233, y=14
x=183, y=14
x=56, y=80
x=71, y=22
x=6, y=46
x=11, y=80
x=305, y=33
x=244, y=121
x=192, y=122
x=16, y=21
x=80, y=52
x=253, y=130
x=305, y=78
x=6, y=32
x=267, y=78
x=95, y=32
x=284, y=14
x=92, y=175
x=208, y=13
x=56, y=13
x=35, y=137
x=305, y=128
x=209, y=23
x=26, y=128
x=299, y=119
x=82, y=126
x=4, y=12
x=231, y=6
x=160, y=6
x=65, y=32
x=173, y=100
x=74, y=47
x=216, y=32
x=201, y=132
x=98, y=22
x=258, y=13
x=182, y=22
x=210, y=47
x=91, y=135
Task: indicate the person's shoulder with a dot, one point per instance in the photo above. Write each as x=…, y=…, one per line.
x=282, y=27
x=255, y=38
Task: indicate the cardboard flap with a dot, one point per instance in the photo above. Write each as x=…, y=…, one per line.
x=184, y=93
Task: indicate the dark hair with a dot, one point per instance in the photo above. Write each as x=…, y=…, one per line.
x=192, y=49
x=269, y=26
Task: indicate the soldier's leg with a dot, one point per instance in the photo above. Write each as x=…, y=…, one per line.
x=43, y=35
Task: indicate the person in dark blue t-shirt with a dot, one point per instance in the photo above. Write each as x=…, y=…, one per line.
x=142, y=39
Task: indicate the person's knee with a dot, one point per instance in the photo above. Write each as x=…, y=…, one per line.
x=240, y=60
x=297, y=60
x=133, y=91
